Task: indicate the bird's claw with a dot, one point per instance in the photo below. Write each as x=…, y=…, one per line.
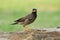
x=27, y=29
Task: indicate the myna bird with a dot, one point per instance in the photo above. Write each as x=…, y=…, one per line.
x=26, y=20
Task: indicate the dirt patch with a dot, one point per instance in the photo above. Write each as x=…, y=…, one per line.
x=35, y=34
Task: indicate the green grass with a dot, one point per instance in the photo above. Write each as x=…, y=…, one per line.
x=48, y=13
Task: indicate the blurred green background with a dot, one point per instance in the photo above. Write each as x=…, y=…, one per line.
x=10, y=10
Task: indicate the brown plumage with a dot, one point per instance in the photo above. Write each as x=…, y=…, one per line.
x=27, y=19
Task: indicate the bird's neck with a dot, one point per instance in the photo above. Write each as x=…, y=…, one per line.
x=34, y=13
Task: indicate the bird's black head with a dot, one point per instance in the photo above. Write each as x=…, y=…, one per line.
x=34, y=10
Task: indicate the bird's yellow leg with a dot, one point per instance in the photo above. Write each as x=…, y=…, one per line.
x=27, y=29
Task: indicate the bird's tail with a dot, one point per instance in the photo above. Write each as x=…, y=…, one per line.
x=14, y=23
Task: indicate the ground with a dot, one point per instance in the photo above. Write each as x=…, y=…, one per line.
x=35, y=34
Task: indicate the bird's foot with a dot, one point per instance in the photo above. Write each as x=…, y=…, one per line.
x=27, y=29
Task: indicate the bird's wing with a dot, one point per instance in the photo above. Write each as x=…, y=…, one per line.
x=29, y=16
x=20, y=19
x=24, y=18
